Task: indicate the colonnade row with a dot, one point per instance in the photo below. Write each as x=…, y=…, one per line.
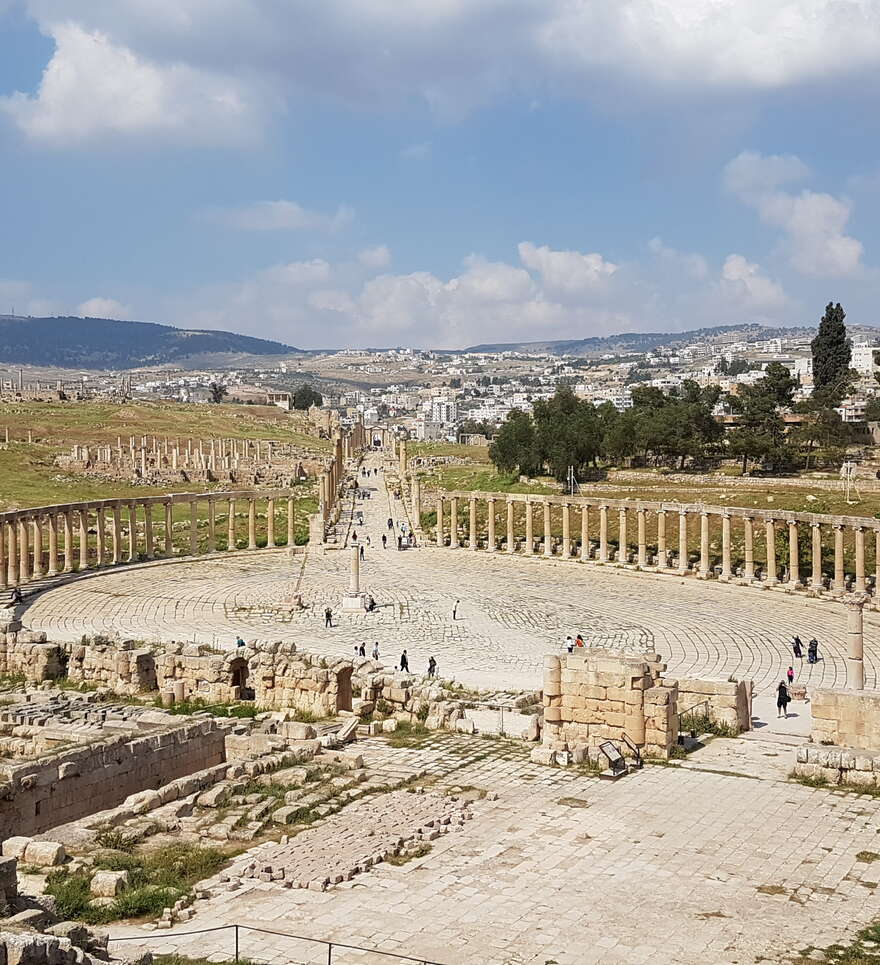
x=49, y=540
x=671, y=536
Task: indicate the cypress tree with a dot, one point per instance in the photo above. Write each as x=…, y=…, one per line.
x=832, y=352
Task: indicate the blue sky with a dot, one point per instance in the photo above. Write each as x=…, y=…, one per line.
x=444, y=172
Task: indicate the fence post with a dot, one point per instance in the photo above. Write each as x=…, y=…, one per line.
x=236, y=943
x=329, y=953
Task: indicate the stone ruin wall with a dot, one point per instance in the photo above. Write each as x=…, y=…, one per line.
x=849, y=718
x=281, y=677
x=37, y=796
x=726, y=701
x=600, y=695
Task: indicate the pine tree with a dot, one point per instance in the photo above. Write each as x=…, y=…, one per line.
x=832, y=352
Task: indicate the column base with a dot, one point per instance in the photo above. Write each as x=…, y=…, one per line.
x=354, y=603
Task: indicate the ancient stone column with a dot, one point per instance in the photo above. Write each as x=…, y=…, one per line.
x=116, y=535
x=37, y=532
x=252, y=524
x=603, y=534
x=12, y=555
x=876, y=562
x=643, y=544
x=530, y=541
x=439, y=524
x=354, y=579
x=417, y=502
x=770, y=531
x=402, y=459
x=4, y=568
x=270, y=522
x=193, y=527
x=230, y=527
x=860, y=559
x=83, y=539
x=511, y=541
x=148, y=531
x=68, y=541
x=855, y=666
x=749, y=549
x=453, y=522
x=585, y=532
x=816, y=578
x=682, y=541
x=794, y=562
x=839, y=580
x=662, y=552
x=548, y=536
x=132, y=532
x=291, y=522
x=725, y=548
x=24, y=555
x=490, y=509
x=168, y=509
x=212, y=524
x=622, y=552
x=566, y=532
x=100, y=537
x=704, y=546
x=472, y=523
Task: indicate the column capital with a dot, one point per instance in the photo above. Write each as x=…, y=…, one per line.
x=856, y=601
x=815, y=525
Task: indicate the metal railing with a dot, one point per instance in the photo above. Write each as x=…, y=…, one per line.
x=318, y=951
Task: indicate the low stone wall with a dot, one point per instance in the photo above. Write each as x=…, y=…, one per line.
x=600, y=695
x=725, y=701
x=839, y=765
x=738, y=482
x=40, y=795
x=849, y=718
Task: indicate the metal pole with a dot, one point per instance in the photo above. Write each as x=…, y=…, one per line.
x=329, y=953
x=236, y=943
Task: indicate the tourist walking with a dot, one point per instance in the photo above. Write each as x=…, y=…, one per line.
x=790, y=674
x=455, y=610
x=362, y=651
x=782, y=700
x=354, y=535
x=432, y=666
x=363, y=557
x=384, y=542
x=813, y=651
x=798, y=648
x=375, y=653
x=239, y=642
x=404, y=663
x=390, y=523
x=328, y=617
x=569, y=644
x=579, y=642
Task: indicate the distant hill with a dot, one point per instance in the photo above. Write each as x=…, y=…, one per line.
x=98, y=343
x=637, y=341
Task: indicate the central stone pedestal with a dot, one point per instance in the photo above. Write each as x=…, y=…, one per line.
x=353, y=602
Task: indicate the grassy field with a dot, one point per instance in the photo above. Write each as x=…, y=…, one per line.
x=28, y=476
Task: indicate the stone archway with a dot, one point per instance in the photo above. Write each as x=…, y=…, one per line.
x=343, y=689
x=238, y=679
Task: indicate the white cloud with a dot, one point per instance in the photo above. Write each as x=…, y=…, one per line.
x=743, y=283
x=20, y=298
x=566, y=272
x=376, y=257
x=416, y=152
x=103, y=308
x=196, y=67
x=694, y=265
x=813, y=223
x=93, y=87
x=280, y=216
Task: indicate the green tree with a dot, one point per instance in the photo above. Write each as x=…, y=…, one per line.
x=305, y=396
x=567, y=432
x=832, y=353
x=513, y=449
x=218, y=391
x=760, y=431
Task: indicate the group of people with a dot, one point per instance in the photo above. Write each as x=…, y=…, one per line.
x=812, y=650
x=360, y=653
x=572, y=645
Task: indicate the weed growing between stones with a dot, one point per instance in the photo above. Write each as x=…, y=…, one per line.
x=419, y=851
x=155, y=881
x=864, y=948
x=409, y=734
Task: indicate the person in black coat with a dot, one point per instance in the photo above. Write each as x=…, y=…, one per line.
x=782, y=699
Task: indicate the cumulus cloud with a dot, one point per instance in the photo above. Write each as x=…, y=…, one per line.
x=566, y=272
x=813, y=224
x=744, y=284
x=376, y=257
x=280, y=216
x=193, y=65
x=94, y=87
x=103, y=308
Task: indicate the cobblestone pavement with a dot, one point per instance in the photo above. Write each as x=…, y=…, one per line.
x=513, y=610
x=721, y=861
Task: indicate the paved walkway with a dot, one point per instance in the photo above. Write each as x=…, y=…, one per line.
x=513, y=610
x=719, y=861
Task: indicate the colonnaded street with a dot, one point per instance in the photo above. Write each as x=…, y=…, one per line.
x=512, y=611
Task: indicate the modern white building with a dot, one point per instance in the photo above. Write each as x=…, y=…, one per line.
x=863, y=357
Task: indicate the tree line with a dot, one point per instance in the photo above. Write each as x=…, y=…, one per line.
x=679, y=428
